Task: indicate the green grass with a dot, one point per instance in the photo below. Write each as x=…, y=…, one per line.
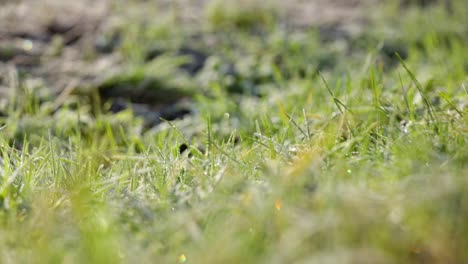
x=306, y=153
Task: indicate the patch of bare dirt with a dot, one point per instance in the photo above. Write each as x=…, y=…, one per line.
x=340, y=13
x=50, y=39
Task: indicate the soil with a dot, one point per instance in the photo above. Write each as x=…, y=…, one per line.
x=49, y=39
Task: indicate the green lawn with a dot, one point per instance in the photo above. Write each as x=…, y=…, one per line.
x=297, y=148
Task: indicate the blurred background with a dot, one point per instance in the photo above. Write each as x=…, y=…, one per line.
x=157, y=55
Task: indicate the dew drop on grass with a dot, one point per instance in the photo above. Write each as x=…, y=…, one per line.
x=293, y=150
x=278, y=204
x=182, y=258
x=27, y=45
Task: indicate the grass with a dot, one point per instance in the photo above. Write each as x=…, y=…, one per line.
x=299, y=151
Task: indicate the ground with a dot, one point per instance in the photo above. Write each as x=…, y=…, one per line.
x=215, y=131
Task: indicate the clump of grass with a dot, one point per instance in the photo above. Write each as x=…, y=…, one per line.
x=243, y=15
